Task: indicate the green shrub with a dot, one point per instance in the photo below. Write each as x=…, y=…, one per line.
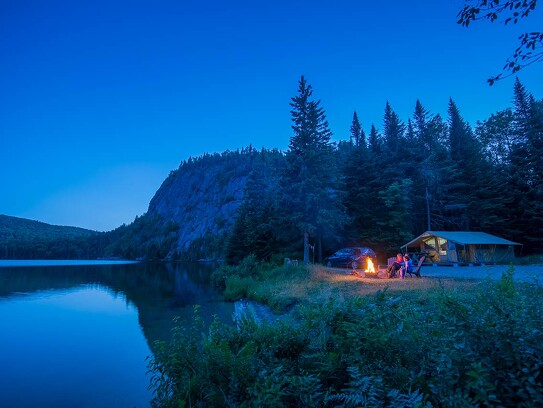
x=237, y=288
x=438, y=348
x=250, y=266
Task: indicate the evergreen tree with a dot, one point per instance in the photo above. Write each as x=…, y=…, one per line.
x=254, y=231
x=525, y=185
x=420, y=148
x=370, y=209
x=375, y=143
x=357, y=191
x=309, y=183
x=393, y=132
x=498, y=136
x=421, y=125
x=393, y=144
x=358, y=137
x=436, y=169
x=397, y=210
x=465, y=151
x=521, y=101
x=410, y=135
x=356, y=129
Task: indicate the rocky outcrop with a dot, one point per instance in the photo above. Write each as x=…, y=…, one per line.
x=201, y=198
x=199, y=201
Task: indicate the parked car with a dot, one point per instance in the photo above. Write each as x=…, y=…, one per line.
x=354, y=258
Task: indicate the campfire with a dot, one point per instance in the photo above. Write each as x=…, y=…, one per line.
x=370, y=268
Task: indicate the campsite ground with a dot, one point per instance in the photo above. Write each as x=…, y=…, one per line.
x=317, y=285
x=325, y=283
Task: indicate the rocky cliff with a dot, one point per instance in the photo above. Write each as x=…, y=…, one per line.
x=202, y=197
x=195, y=208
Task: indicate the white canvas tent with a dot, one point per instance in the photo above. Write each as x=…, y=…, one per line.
x=461, y=247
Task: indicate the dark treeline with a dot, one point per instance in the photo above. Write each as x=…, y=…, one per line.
x=27, y=239
x=384, y=188
x=378, y=189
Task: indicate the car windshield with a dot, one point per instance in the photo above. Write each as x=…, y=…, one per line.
x=357, y=251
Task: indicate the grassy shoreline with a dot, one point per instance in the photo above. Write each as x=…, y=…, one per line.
x=283, y=287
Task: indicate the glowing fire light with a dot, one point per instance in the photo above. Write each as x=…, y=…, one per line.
x=370, y=268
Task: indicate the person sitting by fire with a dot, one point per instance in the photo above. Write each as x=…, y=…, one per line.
x=407, y=266
x=395, y=266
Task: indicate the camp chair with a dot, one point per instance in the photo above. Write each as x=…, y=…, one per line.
x=391, y=274
x=416, y=271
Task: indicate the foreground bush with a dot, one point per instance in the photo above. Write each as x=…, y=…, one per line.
x=257, y=280
x=444, y=348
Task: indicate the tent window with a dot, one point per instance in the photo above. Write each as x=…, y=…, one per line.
x=442, y=246
x=429, y=243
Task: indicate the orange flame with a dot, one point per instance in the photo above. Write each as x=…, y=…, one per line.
x=370, y=267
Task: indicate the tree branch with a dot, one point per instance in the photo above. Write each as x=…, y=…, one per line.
x=509, y=11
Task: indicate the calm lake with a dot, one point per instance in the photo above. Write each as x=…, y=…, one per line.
x=76, y=334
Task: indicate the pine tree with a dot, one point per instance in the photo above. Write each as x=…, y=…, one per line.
x=465, y=152
x=521, y=101
x=397, y=207
x=356, y=130
x=498, y=136
x=358, y=137
x=375, y=143
x=526, y=170
x=421, y=125
x=357, y=195
x=393, y=131
x=309, y=183
x=393, y=144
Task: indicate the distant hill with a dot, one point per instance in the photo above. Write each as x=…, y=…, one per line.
x=21, y=238
x=22, y=229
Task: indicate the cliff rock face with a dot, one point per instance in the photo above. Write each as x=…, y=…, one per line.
x=202, y=198
x=192, y=214
x=199, y=201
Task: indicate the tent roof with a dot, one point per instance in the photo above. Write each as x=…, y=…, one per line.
x=464, y=238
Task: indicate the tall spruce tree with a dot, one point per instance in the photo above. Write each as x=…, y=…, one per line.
x=393, y=143
x=397, y=207
x=465, y=153
x=375, y=142
x=393, y=131
x=309, y=183
x=358, y=137
x=526, y=173
x=497, y=135
x=421, y=124
x=357, y=190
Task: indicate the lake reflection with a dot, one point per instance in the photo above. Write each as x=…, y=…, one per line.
x=78, y=336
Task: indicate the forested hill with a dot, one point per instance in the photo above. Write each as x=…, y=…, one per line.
x=23, y=238
x=193, y=211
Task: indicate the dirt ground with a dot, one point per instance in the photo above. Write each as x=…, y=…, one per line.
x=344, y=284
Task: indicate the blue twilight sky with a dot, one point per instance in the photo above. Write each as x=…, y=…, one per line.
x=101, y=99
